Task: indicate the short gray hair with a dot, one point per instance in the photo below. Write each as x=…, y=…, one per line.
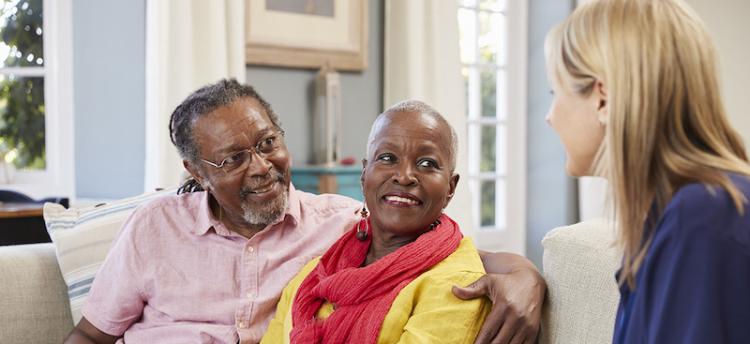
x=416, y=106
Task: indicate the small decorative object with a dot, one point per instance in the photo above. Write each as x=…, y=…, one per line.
x=326, y=133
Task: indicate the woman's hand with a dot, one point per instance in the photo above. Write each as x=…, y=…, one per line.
x=516, y=290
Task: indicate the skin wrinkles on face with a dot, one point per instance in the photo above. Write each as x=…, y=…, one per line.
x=407, y=179
x=253, y=197
x=235, y=141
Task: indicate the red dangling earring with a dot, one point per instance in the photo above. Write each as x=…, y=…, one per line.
x=362, y=233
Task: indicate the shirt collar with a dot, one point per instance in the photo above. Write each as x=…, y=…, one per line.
x=293, y=209
x=205, y=220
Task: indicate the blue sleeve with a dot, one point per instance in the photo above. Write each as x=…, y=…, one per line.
x=694, y=286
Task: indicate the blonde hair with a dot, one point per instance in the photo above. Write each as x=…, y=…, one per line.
x=666, y=125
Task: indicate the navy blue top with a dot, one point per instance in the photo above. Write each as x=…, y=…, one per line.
x=694, y=284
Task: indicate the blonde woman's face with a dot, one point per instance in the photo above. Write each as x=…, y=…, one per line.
x=578, y=120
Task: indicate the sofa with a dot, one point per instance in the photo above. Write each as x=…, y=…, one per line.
x=37, y=280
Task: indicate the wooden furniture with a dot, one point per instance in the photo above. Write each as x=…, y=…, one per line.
x=343, y=180
x=22, y=223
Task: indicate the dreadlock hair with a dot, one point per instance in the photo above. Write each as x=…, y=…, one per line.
x=200, y=103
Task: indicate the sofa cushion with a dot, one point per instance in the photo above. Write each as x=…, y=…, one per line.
x=580, y=262
x=33, y=298
x=82, y=238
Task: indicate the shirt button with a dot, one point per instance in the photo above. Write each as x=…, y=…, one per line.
x=241, y=324
x=249, y=295
x=250, y=249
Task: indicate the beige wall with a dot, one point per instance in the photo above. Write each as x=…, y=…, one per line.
x=728, y=22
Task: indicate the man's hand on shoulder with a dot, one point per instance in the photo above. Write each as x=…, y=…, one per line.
x=87, y=333
x=516, y=290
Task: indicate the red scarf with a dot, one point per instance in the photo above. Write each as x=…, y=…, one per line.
x=362, y=296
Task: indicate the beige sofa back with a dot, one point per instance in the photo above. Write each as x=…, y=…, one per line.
x=579, y=266
x=34, y=306
x=580, y=262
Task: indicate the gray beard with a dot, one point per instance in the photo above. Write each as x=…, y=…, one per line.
x=266, y=213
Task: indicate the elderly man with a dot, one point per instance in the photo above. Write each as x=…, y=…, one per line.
x=209, y=266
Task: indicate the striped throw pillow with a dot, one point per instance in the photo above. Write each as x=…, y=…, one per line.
x=82, y=238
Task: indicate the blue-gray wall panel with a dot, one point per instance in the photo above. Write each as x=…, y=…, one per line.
x=551, y=199
x=109, y=98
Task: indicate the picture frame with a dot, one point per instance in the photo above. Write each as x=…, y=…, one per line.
x=307, y=34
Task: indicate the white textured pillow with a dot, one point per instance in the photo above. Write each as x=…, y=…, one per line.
x=82, y=238
x=580, y=262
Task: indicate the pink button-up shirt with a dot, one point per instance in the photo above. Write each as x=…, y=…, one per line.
x=177, y=275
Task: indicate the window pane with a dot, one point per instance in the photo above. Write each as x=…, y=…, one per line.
x=491, y=38
x=487, y=204
x=487, y=164
x=22, y=121
x=492, y=5
x=467, y=33
x=21, y=33
x=489, y=92
x=488, y=39
x=468, y=3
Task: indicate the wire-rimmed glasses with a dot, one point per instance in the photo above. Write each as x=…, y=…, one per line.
x=266, y=146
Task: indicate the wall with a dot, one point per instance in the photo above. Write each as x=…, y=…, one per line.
x=729, y=27
x=551, y=199
x=109, y=98
x=291, y=94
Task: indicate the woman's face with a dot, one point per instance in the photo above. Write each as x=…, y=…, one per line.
x=579, y=121
x=408, y=178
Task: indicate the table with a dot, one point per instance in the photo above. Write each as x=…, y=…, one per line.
x=22, y=223
x=16, y=210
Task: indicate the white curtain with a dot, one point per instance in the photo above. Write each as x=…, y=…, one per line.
x=422, y=61
x=189, y=43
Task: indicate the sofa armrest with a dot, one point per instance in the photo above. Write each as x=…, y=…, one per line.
x=34, y=298
x=579, y=266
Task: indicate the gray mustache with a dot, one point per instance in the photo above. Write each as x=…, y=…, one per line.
x=272, y=176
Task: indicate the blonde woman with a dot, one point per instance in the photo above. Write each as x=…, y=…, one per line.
x=637, y=101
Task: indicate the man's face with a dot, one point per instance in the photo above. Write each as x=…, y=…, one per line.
x=257, y=190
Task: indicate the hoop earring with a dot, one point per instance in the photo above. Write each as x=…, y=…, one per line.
x=362, y=233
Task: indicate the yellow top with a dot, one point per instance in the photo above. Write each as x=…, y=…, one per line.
x=425, y=311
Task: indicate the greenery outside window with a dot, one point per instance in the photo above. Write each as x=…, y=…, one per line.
x=22, y=125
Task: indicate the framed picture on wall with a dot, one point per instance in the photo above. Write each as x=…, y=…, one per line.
x=307, y=33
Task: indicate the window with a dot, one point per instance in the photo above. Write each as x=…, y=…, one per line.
x=35, y=96
x=22, y=84
x=492, y=43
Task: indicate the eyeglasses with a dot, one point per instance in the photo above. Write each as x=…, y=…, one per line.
x=268, y=145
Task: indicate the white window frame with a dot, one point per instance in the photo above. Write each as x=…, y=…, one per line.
x=58, y=178
x=512, y=237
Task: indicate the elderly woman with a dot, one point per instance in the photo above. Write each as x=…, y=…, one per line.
x=389, y=278
x=637, y=101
